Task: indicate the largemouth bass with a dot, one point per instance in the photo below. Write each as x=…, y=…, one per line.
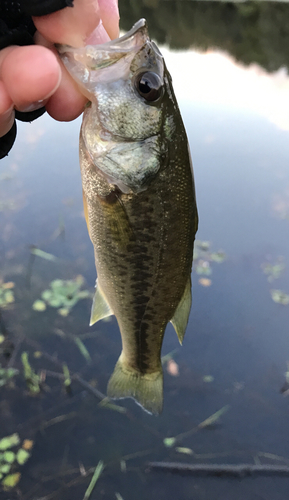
x=139, y=203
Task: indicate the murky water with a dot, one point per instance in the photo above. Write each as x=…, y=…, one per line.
x=236, y=347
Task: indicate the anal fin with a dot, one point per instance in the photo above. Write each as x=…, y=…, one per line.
x=100, y=307
x=181, y=316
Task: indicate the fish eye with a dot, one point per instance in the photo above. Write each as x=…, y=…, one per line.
x=149, y=86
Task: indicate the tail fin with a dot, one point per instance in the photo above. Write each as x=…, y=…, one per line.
x=146, y=389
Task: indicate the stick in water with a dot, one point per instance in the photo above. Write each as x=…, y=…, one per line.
x=226, y=470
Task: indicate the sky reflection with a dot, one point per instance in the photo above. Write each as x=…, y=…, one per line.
x=214, y=77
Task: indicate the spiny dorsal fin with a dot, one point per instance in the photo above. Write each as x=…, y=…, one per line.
x=100, y=307
x=181, y=316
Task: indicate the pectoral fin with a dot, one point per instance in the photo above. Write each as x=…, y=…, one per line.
x=100, y=308
x=181, y=316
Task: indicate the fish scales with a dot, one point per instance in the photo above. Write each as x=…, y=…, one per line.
x=142, y=224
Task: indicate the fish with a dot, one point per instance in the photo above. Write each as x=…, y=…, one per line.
x=139, y=203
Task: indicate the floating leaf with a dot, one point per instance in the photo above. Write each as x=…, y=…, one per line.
x=27, y=444
x=55, y=301
x=203, y=245
x=280, y=297
x=47, y=295
x=22, y=456
x=63, y=311
x=5, y=468
x=39, y=305
x=208, y=379
x=9, y=297
x=173, y=368
x=8, y=285
x=118, y=496
x=273, y=271
x=218, y=256
x=203, y=267
x=186, y=451
x=9, y=441
x=205, y=282
x=6, y=294
x=9, y=457
x=169, y=442
x=11, y=481
x=6, y=374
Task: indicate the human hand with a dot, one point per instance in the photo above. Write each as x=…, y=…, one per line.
x=33, y=76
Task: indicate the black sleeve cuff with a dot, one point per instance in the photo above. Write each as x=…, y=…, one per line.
x=7, y=141
x=17, y=28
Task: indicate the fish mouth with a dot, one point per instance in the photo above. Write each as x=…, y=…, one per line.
x=139, y=28
x=84, y=63
x=102, y=55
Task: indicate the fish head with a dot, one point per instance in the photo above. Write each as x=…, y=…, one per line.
x=125, y=127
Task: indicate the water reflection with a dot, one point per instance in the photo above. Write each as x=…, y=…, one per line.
x=214, y=78
x=236, y=346
x=250, y=31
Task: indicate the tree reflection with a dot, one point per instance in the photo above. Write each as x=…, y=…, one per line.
x=251, y=32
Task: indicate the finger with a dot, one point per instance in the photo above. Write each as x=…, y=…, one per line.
x=6, y=111
x=109, y=15
x=67, y=103
x=38, y=71
x=71, y=25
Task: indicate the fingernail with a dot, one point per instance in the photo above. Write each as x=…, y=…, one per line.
x=99, y=35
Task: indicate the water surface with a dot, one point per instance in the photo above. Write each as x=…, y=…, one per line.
x=236, y=347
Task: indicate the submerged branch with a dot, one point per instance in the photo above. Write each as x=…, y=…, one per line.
x=240, y=471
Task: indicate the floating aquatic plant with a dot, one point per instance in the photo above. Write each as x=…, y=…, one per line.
x=203, y=257
x=63, y=295
x=7, y=374
x=11, y=459
x=31, y=378
x=203, y=267
x=219, y=256
x=280, y=297
x=6, y=294
x=273, y=271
